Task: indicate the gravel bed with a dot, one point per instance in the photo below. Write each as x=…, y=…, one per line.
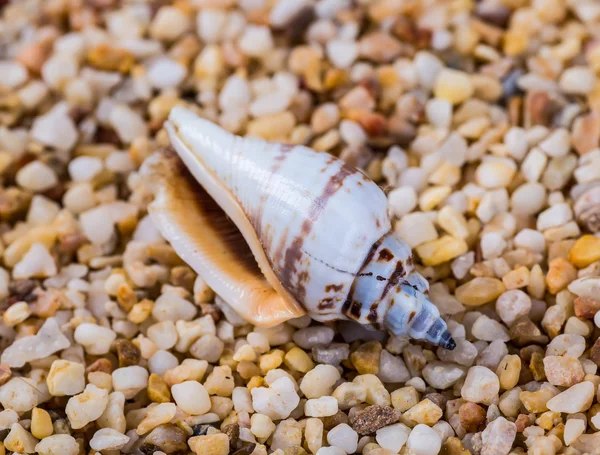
x=480, y=119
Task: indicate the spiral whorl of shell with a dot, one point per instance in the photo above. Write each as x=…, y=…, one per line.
x=316, y=227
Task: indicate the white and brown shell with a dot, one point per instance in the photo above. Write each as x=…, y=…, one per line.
x=279, y=231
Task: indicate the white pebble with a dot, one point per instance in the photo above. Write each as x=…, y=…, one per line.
x=108, y=439
x=342, y=53
x=424, y=440
x=191, y=397
x=127, y=123
x=556, y=215
x=278, y=400
x=84, y=168
x=492, y=245
x=577, y=80
x=58, y=444
x=402, y=200
x=36, y=176
x=344, y=437
x=531, y=240
x=393, y=437
x=94, y=338
x=130, y=380
x=164, y=73
x=481, y=385
x=37, y=262
x=55, y=128
x=87, y=406
x=256, y=41
x=321, y=407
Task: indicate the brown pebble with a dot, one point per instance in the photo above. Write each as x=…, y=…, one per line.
x=102, y=365
x=472, y=416
x=330, y=422
x=212, y=309
x=595, y=352
x=586, y=133
x=539, y=109
x=233, y=433
x=523, y=421
x=247, y=449
x=586, y=307
x=128, y=353
x=523, y=331
x=453, y=446
x=437, y=398
x=372, y=418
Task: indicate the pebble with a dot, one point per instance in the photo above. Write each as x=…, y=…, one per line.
x=402, y=200
x=479, y=291
x=319, y=381
x=278, y=400
x=54, y=129
x=94, y=338
x=213, y=444
x=48, y=340
x=127, y=123
x=563, y=371
x=108, y=439
x=87, y=406
x=321, y=407
x=191, y=397
x=372, y=418
x=453, y=86
x=393, y=437
x=425, y=412
x=585, y=251
x=513, y=304
x=559, y=275
x=577, y=80
x=41, y=423
x=415, y=229
x=366, y=358
x=58, y=444
x=311, y=337
x=481, y=385
x=20, y=440
x=577, y=398
x=36, y=176
x=256, y=41
x=573, y=429
x=65, y=378
x=424, y=440
x=498, y=437
x=441, y=250
x=392, y=368
x=441, y=375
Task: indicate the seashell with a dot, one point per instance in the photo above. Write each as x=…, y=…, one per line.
x=279, y=231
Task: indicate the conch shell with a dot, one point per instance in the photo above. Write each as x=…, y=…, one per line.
x=279, y=231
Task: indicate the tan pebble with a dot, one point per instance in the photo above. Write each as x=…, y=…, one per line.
x=479, y=291
x=585, y=251
x=452, y=85
x=508, y=371
x=366, y=358
x=41, y=423
x=561, y=272
x=536, y=401
x=517, y=278
x=439, y=251
x=425, y=412
x=214, y=444
x=298, y=360
x=158, y=391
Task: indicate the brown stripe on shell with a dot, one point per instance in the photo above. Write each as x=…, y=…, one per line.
x=349, y=298
x=394, y=279
x=293, y=254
